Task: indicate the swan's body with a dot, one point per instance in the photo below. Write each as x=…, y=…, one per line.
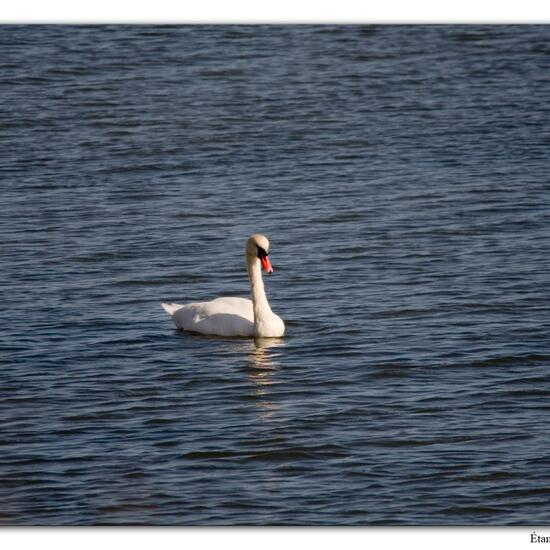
x=235, y=316
x=222, y=316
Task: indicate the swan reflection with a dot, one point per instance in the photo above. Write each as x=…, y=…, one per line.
x=263, y=369
x=261, y=357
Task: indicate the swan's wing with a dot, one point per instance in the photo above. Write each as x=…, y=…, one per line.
x=236, y=306
x=223, y=316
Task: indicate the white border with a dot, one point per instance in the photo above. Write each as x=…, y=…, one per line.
x=275, y=11
x=281, y=11
x=270, y=538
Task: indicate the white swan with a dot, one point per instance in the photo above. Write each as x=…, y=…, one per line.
x=235, y=316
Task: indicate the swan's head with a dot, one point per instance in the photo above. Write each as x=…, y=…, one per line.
x=258, y=247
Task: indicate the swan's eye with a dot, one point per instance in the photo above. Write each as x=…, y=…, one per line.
x=261, y=252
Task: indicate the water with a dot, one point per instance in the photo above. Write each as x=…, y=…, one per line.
x=401, y=174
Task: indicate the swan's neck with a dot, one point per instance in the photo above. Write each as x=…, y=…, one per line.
x=260, y=304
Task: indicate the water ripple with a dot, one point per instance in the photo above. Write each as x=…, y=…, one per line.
x=401, y=175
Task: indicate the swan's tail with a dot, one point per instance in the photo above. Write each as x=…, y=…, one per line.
x=170, y=308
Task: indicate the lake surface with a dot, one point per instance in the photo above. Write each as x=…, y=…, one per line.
x=401, y=174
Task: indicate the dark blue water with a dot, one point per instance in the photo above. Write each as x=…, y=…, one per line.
x=402, y=176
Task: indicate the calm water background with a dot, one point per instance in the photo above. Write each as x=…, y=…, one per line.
x=402, y=176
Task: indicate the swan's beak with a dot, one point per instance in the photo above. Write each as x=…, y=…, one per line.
x=266, y=264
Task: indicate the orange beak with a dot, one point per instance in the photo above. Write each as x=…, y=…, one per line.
x=266, y=264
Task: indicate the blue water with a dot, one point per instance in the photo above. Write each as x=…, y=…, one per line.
x=401, y=174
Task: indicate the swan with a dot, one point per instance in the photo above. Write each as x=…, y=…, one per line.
x=229, y=316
